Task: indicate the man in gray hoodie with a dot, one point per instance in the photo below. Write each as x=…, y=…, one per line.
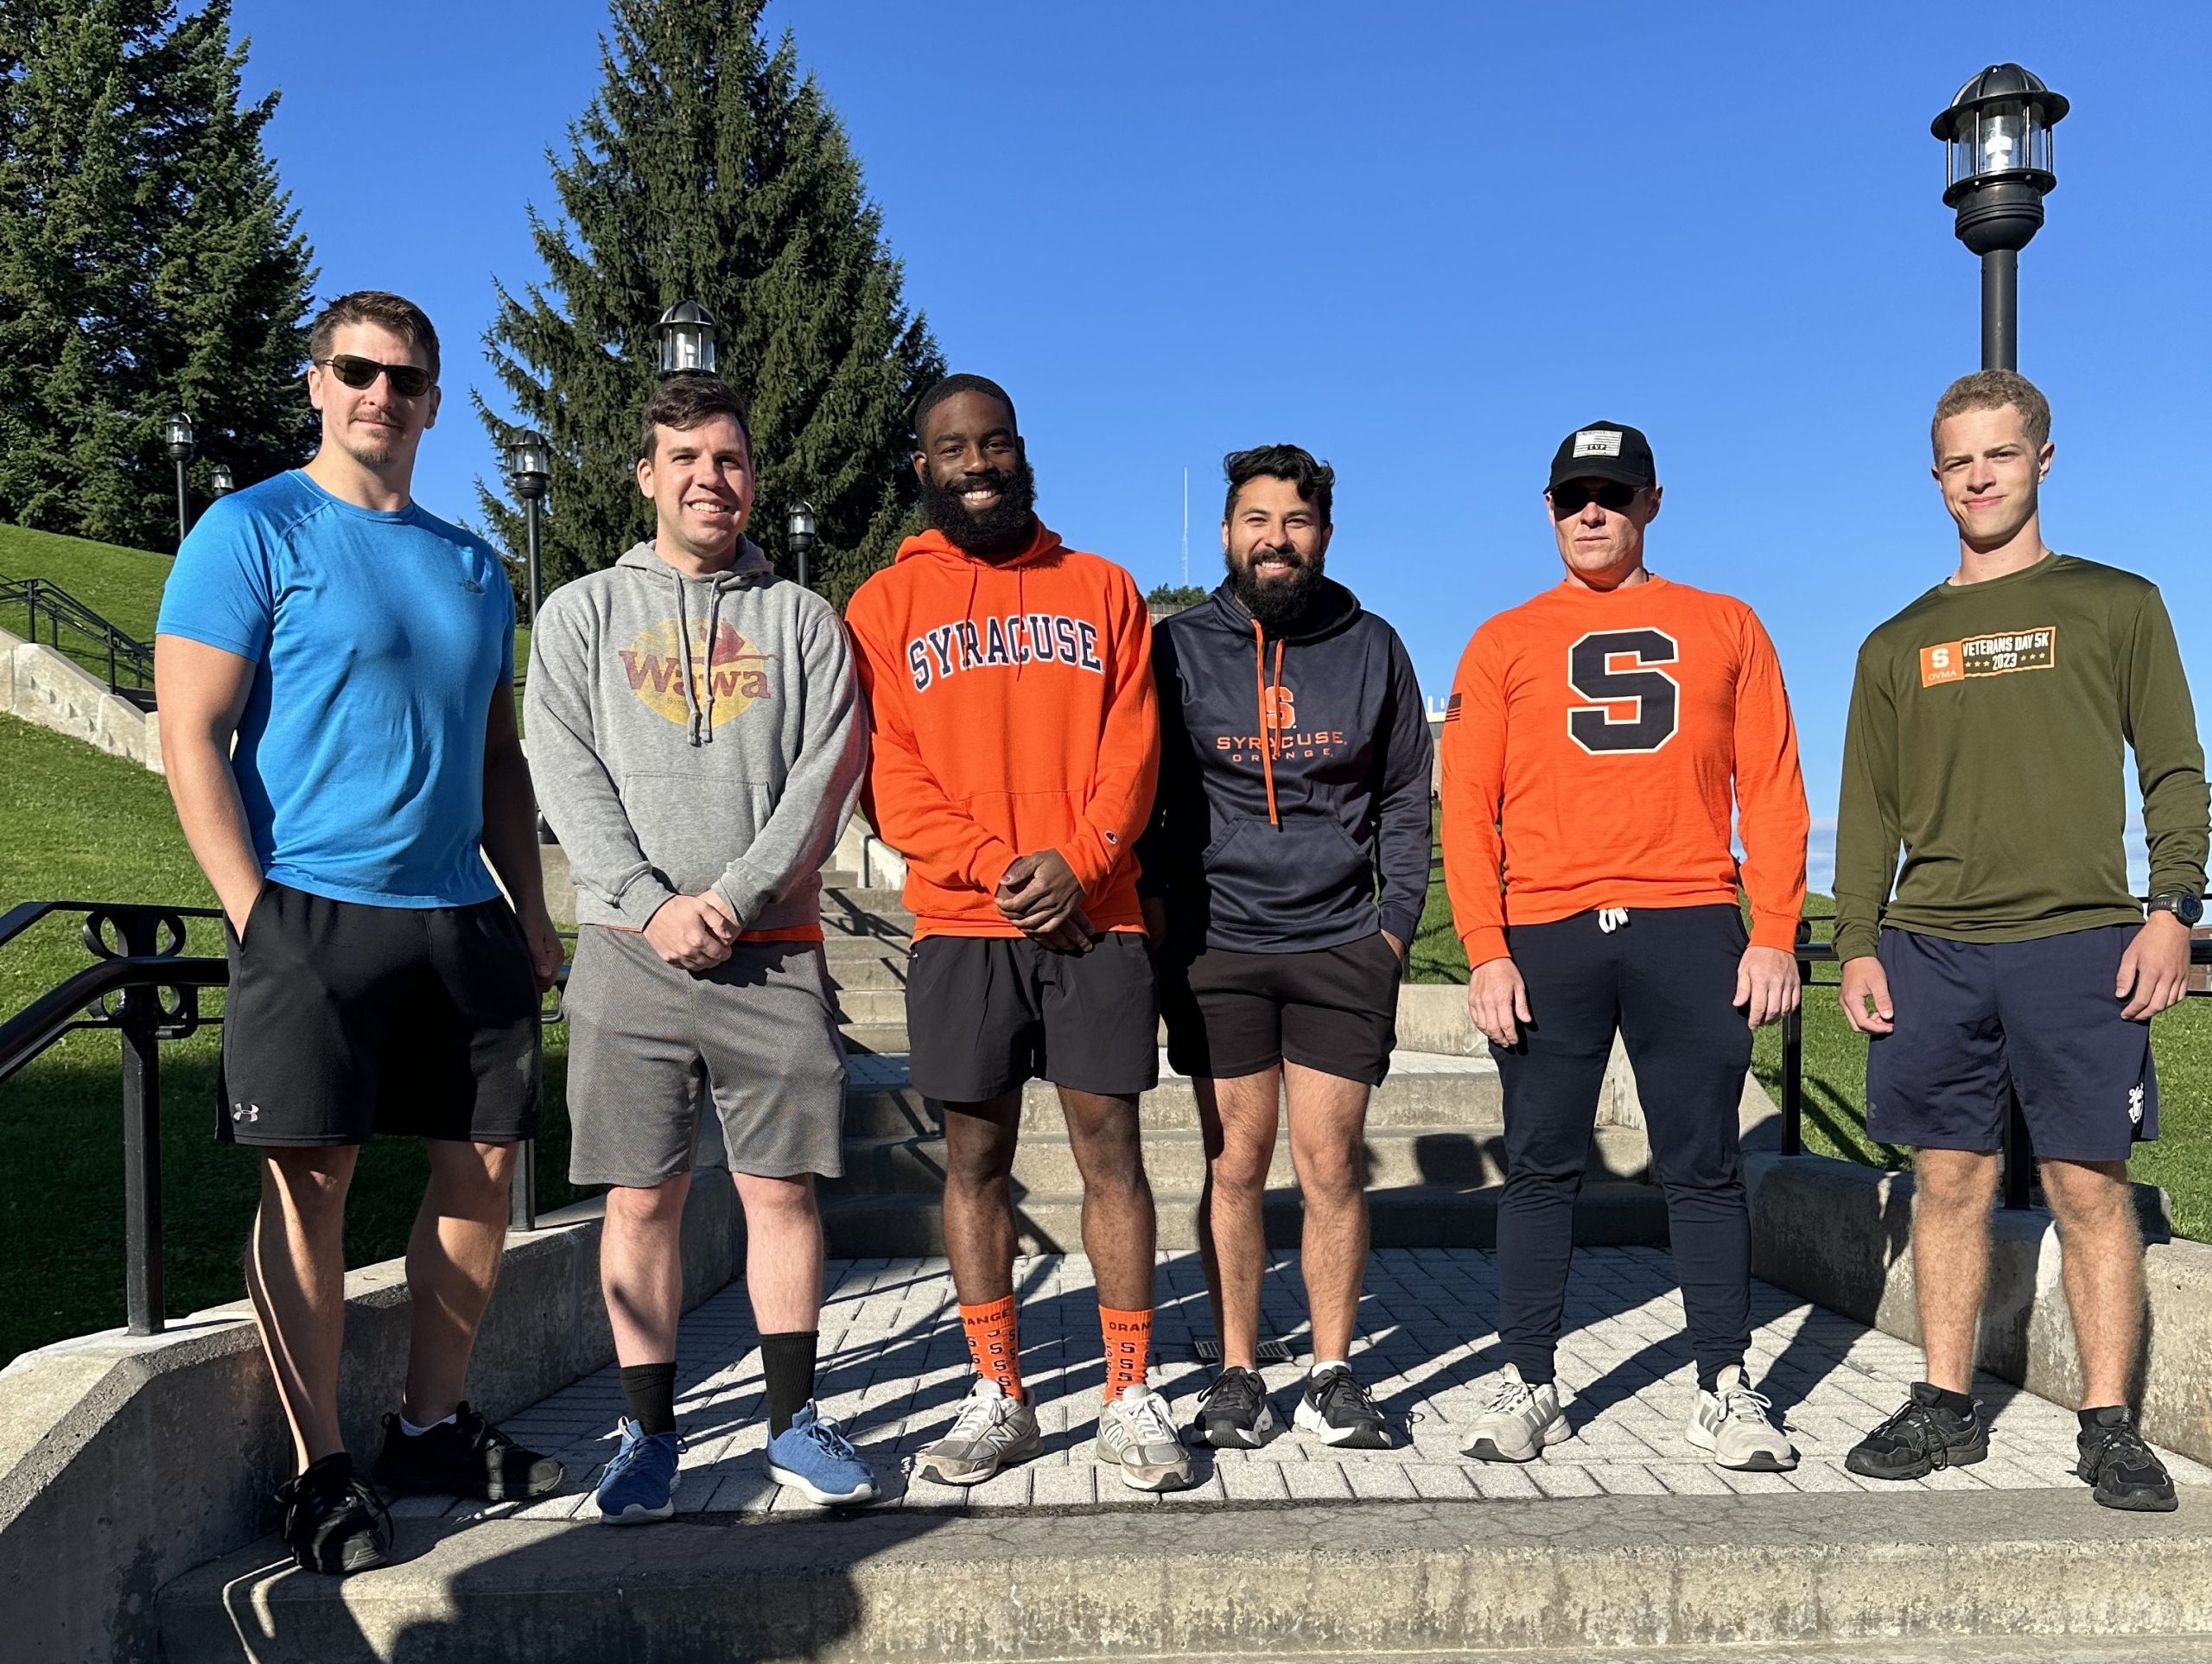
x=697, y=734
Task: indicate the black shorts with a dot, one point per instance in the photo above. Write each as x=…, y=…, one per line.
x=345, y=1019
x=984, y=1013
x=1332, y=1009
x=1972, y=1016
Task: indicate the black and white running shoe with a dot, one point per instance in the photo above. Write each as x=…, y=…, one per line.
x=1234, y=1413
x=2125, y=1472
x=1336, y=1409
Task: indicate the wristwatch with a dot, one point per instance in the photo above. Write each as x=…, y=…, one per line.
x=2180, y=903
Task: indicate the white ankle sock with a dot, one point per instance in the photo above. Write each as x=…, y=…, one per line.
x=1319, y=1364
x=414, y=1432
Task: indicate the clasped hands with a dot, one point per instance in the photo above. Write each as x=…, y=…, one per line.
x=1041, y=897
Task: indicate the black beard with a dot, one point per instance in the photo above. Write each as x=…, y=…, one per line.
x=1002, y=529
x=1279, y=604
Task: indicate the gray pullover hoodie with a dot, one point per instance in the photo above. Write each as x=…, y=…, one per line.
x=689, y=732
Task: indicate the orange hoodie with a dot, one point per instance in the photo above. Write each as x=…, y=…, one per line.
x=1011, y=710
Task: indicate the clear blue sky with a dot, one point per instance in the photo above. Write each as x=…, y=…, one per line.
x=1424, y=241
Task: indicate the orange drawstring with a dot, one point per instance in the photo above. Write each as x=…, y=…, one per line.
x=1260, y=694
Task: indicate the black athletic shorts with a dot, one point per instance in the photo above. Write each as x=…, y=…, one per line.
x=1972, y=1016
x=1333, y=1009
x=345, y=1019
x=984, y=1013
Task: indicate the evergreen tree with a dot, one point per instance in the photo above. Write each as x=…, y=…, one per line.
x=149, y=263
x=1176, y=595
x=708, y=168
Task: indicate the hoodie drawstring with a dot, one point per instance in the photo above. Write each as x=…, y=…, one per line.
x=714, y=623
x=1267, y=731
x=683, y=648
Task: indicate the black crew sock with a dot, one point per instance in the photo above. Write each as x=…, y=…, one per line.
x=788, y=1361
x=1958, y=1404
x=329, y=1476
x=650, y=1391
x=2106, y=1415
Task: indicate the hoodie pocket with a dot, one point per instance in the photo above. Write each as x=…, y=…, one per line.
x=691, y=826
x=1258, y=873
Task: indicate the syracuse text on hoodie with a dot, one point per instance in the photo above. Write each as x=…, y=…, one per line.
x=1011, y=712
x=689, y=732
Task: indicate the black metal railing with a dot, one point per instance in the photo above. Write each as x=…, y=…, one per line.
x=2018, y=1158
x=143, y=984
x=129, y=662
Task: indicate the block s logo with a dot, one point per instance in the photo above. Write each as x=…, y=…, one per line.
x=1280, y=708
x=1632, y=706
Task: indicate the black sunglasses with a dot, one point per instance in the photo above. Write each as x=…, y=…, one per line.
x=1572, y=497
x=408, y=380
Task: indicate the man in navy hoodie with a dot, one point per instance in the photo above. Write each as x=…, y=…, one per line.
x=1283, y=875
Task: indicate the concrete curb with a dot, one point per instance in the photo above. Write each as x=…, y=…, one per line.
x=1342, y=1580
x=1841, y=1235
x=125, y=1461
x=44, y=687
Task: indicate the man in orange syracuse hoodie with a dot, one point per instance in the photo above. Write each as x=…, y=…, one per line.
x=1596, y=741
x=1016, y=743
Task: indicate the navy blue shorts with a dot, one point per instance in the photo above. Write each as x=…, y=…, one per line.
x=1973, y=1015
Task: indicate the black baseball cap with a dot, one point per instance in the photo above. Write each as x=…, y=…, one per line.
x=1604, y=450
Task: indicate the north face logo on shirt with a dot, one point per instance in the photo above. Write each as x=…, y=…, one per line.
x=736, y=673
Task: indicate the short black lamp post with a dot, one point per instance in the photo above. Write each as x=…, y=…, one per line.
x=1996, y=133
x=801, y=535
x=687, y=339
x=528, y=466
x=219, y=479
x=176, y=432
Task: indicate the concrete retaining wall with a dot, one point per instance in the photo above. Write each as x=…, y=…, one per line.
x=125, y=1463
x=860, y=851
x=42, y=686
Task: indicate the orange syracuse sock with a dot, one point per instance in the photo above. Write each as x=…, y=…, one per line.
x=993, y=1343
x=1128, y=1339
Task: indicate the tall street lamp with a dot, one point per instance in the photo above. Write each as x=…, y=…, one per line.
x=1997, y=134
x=687, y=339
x=528, y=465
x=177, y=432
x=800, y=533
x=219, y=478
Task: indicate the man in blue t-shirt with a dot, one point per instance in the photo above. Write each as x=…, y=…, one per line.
x=334, y=670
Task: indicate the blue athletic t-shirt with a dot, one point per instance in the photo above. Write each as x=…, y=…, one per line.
x=380, y=638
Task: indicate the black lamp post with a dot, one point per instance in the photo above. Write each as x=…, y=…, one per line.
x=800, y=535
x=687, y=339
x=528, y=465
x=219, y=479
x=1997, y=133
x=176, y=431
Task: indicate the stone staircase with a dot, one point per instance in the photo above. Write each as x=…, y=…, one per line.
x=1436, y=1135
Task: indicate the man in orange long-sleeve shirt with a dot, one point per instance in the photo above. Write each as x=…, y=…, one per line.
x=1016, y=743
x=1596, y=741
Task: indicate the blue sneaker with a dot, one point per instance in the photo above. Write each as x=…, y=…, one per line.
x=813, y=1456
x=640, y=1483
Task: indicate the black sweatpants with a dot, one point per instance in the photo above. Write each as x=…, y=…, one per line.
x=1667, y=979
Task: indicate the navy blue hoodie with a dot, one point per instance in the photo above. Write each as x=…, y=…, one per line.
x=1294, y=774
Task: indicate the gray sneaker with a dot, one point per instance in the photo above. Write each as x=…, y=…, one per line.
x=1135, y=1436
x=1518, y=1421
x=1737, y=1425
x=991, y=1432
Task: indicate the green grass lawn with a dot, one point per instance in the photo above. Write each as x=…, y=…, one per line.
x=80, y=824
x=1835, y=1070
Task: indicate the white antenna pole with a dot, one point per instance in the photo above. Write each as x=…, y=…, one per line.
x=1186, y=528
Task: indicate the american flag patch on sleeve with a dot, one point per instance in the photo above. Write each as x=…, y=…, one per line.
x=1452, y=708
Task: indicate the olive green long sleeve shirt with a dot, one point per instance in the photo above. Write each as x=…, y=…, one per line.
x=1986, y=737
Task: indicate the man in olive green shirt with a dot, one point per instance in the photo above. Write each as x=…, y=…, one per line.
x=1987, y=730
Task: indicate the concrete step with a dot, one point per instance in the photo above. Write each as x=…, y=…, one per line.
x=879, y=1103
x=1397, y=1157
x=870, y=967
x=839, y=878
x=1612, y=1213
x=880, y=1005
x=852, y=897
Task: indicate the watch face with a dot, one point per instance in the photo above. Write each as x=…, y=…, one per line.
x=2191, y=909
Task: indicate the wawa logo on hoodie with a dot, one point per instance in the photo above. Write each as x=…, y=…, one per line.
x=724, y=683
x=1017, y=639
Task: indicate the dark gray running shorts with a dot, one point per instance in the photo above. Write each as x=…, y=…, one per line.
x=1971, y=1014
x=345, y=1019
x=1333, y=1009
x=984, y=1013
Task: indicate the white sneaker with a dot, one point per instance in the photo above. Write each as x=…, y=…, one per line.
x=1518, y=1421
x=991, y=1432
x=1135, y=1436
x=1737, y=1425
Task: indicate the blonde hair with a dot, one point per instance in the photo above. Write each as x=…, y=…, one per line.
x=1992, y=390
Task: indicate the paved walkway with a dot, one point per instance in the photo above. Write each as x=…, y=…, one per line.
x=894, y=1366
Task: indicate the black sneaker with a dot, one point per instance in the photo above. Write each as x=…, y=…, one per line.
x=1920, y=1438
x=333, y=1523
x=2125, y=1470
x=1234, y=1413
x=1336, y=1409
x=465, y=1456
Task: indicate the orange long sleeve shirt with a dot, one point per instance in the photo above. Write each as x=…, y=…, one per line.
x=1596, y=748
x=1011, y=710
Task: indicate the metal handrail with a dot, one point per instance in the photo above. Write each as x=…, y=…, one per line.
x=139, y=954
x=2018, y=1155
x=123, y=651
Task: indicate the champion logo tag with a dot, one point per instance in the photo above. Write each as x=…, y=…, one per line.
x=1598, y=442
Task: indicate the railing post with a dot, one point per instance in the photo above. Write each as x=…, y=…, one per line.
x=522, y=1197
x=142, y=1140
x=1793, y=1077
x=2019, y=1157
